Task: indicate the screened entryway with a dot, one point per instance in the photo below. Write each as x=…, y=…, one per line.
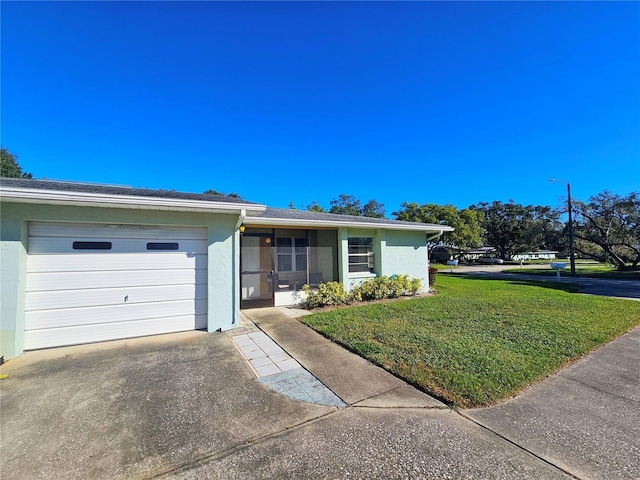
x=276, y=263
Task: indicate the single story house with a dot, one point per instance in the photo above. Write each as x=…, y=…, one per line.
x=85, y=263
x=539, y=255
x=479, y=252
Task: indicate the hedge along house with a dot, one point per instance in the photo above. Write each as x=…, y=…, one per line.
x=84, y=263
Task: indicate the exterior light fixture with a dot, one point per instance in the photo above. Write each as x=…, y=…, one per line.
x=242, y=229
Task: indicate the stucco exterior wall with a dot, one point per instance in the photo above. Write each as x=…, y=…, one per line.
x=395, y=253
x=405, y=253
x=13, y=276
x=223, y=251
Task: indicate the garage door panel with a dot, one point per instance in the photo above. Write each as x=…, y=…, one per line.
x=73, y=280
x=122, y=262
x=113, y=296
x=80, y=296
x=75, y=335
x=49, y=245
x=61, y=229
x=69, y=317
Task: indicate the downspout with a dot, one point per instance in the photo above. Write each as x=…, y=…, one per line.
x=243, y=215
x=435, y=235
x=236, y=272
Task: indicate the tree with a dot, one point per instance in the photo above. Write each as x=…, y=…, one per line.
x=9, y=166
x=611, y=223
x=466, y=222
x=548, y=229
x=222, y=194
x=346, y=205
x=315, y=207
x=373, y=209
x=513, y=228
x=350, y=205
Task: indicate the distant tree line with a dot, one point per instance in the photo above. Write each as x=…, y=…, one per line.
x=349, y=205
x=222, y=194
x=9, y=167
x=606, y=227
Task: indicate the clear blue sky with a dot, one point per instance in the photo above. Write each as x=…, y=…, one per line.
x=433, y=102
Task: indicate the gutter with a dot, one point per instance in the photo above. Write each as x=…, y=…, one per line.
x=84, y=199
x=291, y=222
x=432, y=237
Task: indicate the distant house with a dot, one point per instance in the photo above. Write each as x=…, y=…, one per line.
x=479, y=252
x=86, y=263
x=539, y=255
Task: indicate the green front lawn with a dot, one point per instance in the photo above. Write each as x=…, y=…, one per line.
x=478, y=341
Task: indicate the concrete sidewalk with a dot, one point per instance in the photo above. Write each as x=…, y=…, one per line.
x=352, y=378
x=585, y=418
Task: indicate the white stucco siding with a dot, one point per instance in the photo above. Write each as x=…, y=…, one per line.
x=404, y=253
x=221, y=245
x=396, y=252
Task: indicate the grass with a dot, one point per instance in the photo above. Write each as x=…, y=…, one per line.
x=479, y=341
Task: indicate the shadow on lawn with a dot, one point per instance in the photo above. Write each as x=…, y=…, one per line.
x=563, y=286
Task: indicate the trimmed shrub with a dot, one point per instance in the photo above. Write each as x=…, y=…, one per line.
x=378, y=288
x=415, y=284
x=329, y=293
x=432, y=275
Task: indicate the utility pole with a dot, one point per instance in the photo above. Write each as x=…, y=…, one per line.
x=572, y=257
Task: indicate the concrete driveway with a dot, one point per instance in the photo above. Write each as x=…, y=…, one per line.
x=135, y=408
x=187, y=406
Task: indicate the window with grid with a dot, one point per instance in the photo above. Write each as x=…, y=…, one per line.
x=292, y=254
x=361, y=254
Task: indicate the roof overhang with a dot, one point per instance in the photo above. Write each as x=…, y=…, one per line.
x=84, y=199
x=306, y=223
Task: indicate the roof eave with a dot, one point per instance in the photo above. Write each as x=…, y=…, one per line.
x=55, y=197
x=290, y=222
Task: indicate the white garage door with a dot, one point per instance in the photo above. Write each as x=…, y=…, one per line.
x=91, y=283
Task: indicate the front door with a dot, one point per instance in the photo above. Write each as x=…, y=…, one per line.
x=256, y=270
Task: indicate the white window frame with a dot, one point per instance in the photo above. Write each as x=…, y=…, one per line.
x=358, y=258
x=293, y=254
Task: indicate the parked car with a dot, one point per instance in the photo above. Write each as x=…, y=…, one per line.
x=490, y=260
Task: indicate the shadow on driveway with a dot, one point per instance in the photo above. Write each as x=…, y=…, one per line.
x=134, y=408
x=187, y=406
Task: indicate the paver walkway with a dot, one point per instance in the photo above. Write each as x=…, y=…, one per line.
x=276, y=369
x=263, y=355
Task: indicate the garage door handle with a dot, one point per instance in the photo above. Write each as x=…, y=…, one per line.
x=126, y=297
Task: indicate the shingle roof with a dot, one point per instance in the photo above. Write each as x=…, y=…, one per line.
x=114, y=190
x=285, y=214
x=280, y=216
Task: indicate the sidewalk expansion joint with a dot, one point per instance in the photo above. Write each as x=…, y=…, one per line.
x=516, y=445
x=225, y=452
x=400, y=407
